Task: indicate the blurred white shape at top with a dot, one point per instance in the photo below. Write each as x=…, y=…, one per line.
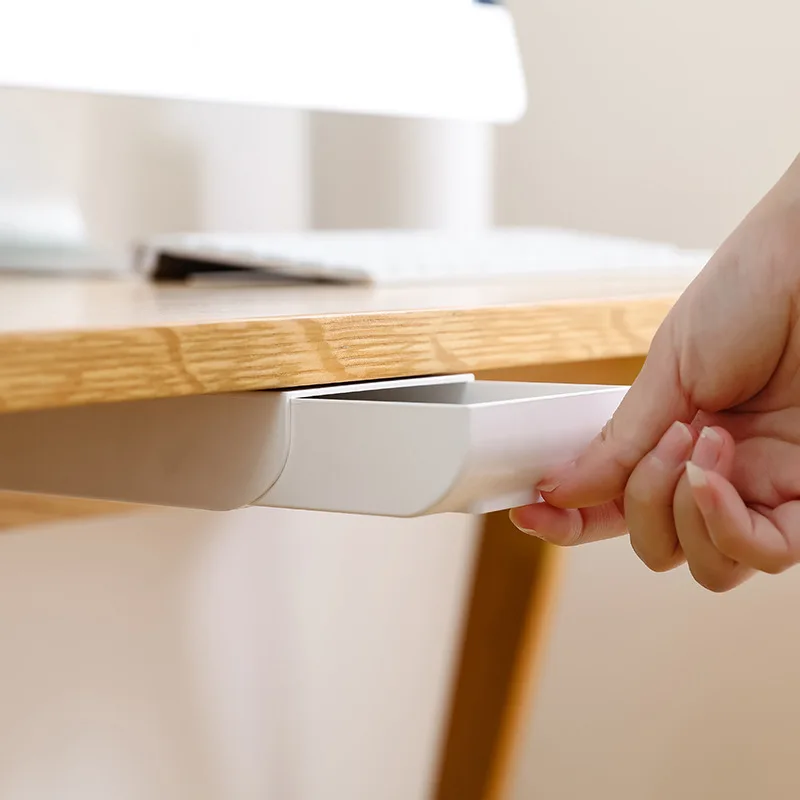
x=425, y=58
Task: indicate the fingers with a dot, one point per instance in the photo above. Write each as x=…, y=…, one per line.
x=676, y=510
x=759, y=537
x=570, y=526
x=710, y=567
x=649, y=495
x=651, y=405
x=765, y=540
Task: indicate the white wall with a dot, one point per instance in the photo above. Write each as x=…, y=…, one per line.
x=377, y=172
x=665, y=120
x=657, y=689
x=259, y=654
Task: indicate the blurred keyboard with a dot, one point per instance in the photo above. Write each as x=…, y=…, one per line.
x=44, y=234
x=396, y=257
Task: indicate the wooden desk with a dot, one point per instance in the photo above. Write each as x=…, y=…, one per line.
x=67, y=343
x=80, y=342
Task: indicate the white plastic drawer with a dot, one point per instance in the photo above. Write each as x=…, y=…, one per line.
x=395, y=448
x=416, y=447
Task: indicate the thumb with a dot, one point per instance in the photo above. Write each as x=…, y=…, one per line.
x=655, y=400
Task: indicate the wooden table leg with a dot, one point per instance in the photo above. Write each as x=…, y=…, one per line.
x=513, y=591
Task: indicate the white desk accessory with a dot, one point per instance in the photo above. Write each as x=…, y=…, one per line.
x=426, y=58
x=390, y=257
x=41, y=233
x=393, y=448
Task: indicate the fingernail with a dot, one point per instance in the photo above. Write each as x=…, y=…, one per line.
x=710, y=433
x=696, y=476
x=552, y=481
x=707, y=450
x=675, y=446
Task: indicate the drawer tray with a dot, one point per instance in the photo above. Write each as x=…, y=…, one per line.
x=394, y=448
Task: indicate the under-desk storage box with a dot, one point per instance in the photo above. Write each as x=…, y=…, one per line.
x=393, y=448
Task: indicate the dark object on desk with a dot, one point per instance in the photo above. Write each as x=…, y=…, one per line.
x=171, y=268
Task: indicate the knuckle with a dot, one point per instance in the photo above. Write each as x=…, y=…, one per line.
x=717, y=581
x=652, y=484
x=656, y=559
x=623, y=453
x=640, y=491
x=650, y=524
x=767, y=560
x=571, y=534
x=774, y=565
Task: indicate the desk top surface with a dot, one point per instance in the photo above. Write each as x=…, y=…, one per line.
x=68, y=342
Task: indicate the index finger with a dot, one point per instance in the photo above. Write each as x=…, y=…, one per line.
x=653, y=403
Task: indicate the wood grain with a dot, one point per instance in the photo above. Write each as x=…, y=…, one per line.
x=69, y=343
x=504, y=642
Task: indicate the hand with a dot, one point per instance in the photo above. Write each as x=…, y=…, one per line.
x=720, y=389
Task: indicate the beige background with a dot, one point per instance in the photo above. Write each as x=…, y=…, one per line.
x=665, y=120
x=305, y=657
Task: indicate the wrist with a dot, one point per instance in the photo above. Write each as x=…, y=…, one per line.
x=789, y=184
